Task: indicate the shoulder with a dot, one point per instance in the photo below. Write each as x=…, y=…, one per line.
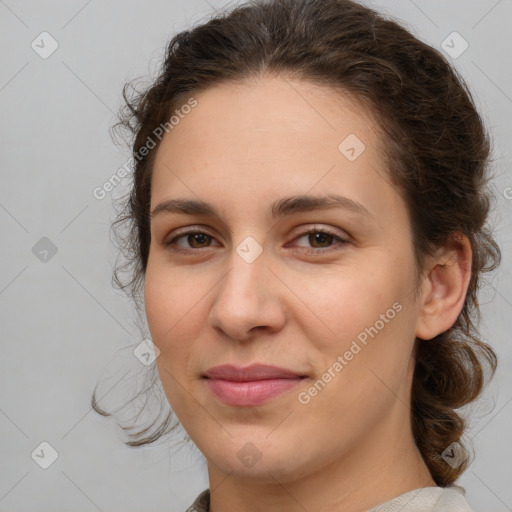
x=201, y=503
x=434, y=499
x=428, y=499
x=452, y=499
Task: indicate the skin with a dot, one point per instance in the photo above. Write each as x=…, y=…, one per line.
x=242, y=147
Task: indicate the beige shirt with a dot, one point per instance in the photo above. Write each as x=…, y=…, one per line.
x=425, y=499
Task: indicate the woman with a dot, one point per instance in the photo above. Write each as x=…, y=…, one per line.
x=308, y=229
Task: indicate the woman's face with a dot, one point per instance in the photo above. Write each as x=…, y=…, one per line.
x=335, y=310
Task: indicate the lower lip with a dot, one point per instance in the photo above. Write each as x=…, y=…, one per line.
x=249, y=393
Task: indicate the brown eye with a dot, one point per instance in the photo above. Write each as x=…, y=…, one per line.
x=320, y=240
x=197, y=238
x=193, y=240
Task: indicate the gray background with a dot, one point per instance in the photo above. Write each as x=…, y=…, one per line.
x=63, y=327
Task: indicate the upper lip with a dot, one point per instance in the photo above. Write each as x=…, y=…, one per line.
x=250, y=373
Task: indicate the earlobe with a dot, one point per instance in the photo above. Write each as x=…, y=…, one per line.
x=444, y=288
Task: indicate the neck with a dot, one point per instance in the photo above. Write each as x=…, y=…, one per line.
x=375, y=473
x=382, y=467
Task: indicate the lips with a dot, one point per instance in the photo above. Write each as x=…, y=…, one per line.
x=252, y=385
x=250, y=373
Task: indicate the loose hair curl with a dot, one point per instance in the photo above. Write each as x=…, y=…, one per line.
x=435, y=145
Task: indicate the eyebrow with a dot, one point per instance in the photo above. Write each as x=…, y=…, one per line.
x=279, y=208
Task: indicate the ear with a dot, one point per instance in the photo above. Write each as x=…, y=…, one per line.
x=443, y=290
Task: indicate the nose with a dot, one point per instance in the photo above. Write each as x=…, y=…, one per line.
x=248, y=299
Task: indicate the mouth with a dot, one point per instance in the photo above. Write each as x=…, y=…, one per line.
x=250, y=386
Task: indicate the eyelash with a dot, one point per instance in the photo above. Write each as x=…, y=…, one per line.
x=304, y=251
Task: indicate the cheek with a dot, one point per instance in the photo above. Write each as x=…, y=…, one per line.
x=366, y=319
x=167, y=294
x=170, y=317
x=342, y=303
x=176, y=316
x=169, y=308
x=157, y=300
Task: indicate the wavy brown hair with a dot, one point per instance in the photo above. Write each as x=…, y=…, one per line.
x=436, y=147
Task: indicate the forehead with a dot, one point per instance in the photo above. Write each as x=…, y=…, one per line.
x=245, y=142
x=263, y=114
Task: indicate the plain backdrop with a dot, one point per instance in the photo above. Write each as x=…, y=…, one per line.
x=63, y=327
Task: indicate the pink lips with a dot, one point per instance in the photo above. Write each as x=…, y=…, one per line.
x=249, y=386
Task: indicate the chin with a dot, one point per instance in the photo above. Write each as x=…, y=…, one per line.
x=259, y=459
